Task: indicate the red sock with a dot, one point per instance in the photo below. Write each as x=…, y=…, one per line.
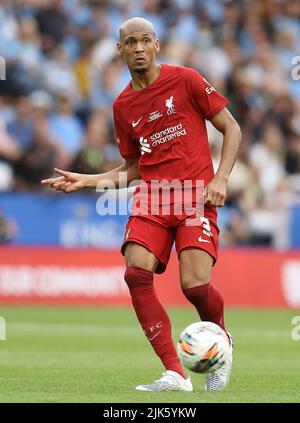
x=152, y=317
x=208, y=302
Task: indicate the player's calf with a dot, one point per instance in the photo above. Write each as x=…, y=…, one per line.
x=152, y=317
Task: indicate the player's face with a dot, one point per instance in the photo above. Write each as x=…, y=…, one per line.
x=138, y=50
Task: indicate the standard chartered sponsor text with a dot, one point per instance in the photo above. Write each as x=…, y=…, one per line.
x=167, y=134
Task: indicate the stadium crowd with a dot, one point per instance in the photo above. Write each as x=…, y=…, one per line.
x=63, y=73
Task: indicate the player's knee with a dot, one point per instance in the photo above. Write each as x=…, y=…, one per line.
x=137, y=276
x=138, y=256
x=192, y=279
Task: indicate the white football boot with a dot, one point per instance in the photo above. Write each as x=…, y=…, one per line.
x=170, y=381
x=217, y=380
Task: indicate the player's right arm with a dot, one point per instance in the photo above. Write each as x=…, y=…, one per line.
x=70, y=181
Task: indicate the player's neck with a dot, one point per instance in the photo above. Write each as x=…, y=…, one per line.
x=143, y=80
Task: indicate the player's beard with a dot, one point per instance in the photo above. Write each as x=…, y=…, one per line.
x=142, y=70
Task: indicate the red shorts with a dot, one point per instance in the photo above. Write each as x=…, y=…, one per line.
x=158, y=233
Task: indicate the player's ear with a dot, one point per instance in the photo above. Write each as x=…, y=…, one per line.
x=157, y=46
x=119, y=48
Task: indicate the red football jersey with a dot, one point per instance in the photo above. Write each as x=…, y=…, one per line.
x=164, y=125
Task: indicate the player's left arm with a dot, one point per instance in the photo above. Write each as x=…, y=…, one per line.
x=215, y=192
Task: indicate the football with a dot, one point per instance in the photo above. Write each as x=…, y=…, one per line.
x=203, y=347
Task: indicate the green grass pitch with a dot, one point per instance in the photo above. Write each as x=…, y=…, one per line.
x=100, y=354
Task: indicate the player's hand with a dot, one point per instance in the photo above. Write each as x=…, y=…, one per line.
x=215, y=192
x=67, y=182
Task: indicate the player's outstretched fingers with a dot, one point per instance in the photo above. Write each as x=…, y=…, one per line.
x=46, y=181
x=61, y=172
x=51, y=181
x=66, y=174
x=58, y=185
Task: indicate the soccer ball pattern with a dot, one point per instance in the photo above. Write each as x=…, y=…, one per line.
x=203, y=347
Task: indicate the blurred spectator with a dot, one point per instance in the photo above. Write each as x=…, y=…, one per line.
x=10, y=152
x=59, y=74
x=66, y=129
x=52, y=23
x=21, y=126
x=39, y=160
x=292, y=164
x=107, y=85
x=30, y=54
x=83, y=67
x=9, y=42
x=8, y=229
x=268, y=159
x=6, y=176
x=98, y=153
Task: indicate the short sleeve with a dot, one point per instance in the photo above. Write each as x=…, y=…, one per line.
x=206, y=98
x=128, y=147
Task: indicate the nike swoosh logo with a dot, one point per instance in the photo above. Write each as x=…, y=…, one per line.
x=151, y=339
x=200, y=239
x=137, y=122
